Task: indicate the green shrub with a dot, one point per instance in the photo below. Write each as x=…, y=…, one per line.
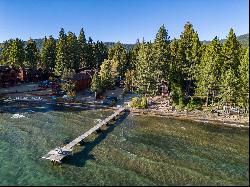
x=139, y=102
x=144, y=102
x=194, y=104
x=69, y=88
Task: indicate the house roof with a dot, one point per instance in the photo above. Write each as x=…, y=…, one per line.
x=86, y=74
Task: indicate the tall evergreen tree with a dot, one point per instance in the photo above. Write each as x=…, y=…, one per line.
x=190, y=46
x=244, y=80
x=73, y=52
x=32, y=55
x=130, y=80
x=82, y=49
x=61, y=53
x=230, y=86
x=96, y=85
x=146, y=80
x=133, y=55
x=100, y=53
x=48, y=54
x=230, y=70
x=16, y=53
x=210, y=70
x=5, y=53
x=118, y=53
x=232, y=53
x=195, y=56
x=176, y=78
x=90, y=54
x=107, y=74
x=162, y=54
x=176, y=65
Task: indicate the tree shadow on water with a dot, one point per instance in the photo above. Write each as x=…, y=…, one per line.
x=79, y=159
x=14, y=107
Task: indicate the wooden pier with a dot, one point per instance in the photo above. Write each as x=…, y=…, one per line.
x=59, y=153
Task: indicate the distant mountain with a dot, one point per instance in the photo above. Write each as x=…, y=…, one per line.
x=127, y=46
x=243, y=39
x=39, y=43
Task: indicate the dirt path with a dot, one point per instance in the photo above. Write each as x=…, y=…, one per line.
x=19, y=88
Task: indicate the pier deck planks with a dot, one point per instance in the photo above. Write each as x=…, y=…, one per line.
x=58, y=153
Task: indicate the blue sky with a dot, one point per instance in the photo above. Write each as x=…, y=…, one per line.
x=121, y=20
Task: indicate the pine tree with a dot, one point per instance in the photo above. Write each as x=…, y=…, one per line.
x=230, y=70
x=195, y=56
x=96, y=85
x=190, y=46
x=5, y=53
x=118, y=53
x=32, y=55
x=176, y=79
x=244, y=80
x=61, y=53
x=82, y=49
x=133, y=55
x=162, y=54
x=68, y=85
x=90, y=54
x=48, y=53
x=209, y=76
x=176, y=65
x=229, y=87
x=130, y=80
x=16, y=53
x=73, y=52
x=100, y=53
x=232, y=53
x=107, y=74
x=145, y=77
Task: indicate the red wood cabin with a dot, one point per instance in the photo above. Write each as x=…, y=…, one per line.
x=83, y=79
x=8, y=76
x=30, y=75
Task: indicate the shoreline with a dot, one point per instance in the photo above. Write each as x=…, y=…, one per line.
x=198, y=117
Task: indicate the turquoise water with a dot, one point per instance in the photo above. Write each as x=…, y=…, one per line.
x=135, y=150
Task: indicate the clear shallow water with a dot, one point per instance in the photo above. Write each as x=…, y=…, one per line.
x=135, y=151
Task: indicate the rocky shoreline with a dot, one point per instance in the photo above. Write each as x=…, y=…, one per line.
x=165, y=110
x=199, y=116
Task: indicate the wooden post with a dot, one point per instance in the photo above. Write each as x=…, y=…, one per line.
x=81, y=143
x=98, y=131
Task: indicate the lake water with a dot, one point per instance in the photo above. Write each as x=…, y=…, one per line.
x=135, y=150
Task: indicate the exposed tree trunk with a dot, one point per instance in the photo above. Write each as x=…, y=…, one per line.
x=207, y=99
x=188, y=88
x=95, y=95
x=213, y=98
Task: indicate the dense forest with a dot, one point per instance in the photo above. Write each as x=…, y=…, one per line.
x=192, y=71
x=243, y=39
x=39, y=44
